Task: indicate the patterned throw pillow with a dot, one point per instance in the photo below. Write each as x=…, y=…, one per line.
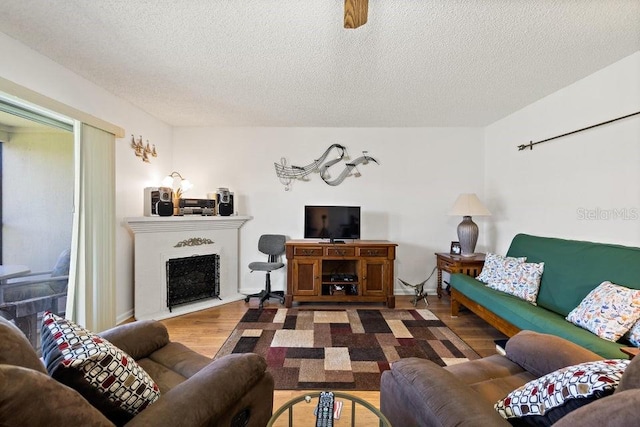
x=494, y=266
x=608, y=311
x=633, y=336
x=105, y=375
x=520, y=279
x=566, y=388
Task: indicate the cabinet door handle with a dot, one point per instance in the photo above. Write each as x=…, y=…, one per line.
x=372, y=252
x=342, y=252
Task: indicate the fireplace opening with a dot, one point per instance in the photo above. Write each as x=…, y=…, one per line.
x=192, y=279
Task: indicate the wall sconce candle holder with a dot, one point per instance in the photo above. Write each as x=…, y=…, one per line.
x=143, y=151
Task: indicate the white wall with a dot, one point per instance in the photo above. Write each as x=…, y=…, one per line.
x=584, y=186
x=405, y=199
x=37, y=197
x=30, y=69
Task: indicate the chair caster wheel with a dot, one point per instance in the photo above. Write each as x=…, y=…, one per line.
x=246, y=299
x=281, y=300
x=260, y=306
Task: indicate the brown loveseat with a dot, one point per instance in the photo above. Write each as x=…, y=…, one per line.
x=195, y=391
x=417, y=392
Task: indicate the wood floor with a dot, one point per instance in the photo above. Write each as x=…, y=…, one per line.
x=207, y=330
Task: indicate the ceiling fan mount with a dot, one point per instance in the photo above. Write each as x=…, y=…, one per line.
x=355, y=13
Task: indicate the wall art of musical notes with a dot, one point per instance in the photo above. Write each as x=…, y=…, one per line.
x=287, y=174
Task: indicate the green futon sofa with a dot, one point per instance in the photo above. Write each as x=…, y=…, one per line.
x=571, y=270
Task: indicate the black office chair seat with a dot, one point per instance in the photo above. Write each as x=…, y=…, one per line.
x=273, y=246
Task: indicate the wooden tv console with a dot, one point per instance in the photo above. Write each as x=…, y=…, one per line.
x=358, y=271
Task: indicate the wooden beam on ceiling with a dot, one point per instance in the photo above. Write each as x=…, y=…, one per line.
x=355, y=13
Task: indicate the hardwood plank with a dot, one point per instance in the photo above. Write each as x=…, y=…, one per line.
x=206, y=331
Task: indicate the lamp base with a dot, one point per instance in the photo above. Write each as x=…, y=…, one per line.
x=467, y=236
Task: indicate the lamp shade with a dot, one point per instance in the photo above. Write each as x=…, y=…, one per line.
x=167, y=181
x=468, y=204
x=185, y=185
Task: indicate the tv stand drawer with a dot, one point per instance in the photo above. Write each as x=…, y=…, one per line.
x=307, y=251
x=375, y=251
x=340, y=251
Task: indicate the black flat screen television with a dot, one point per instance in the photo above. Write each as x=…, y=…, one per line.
x=332, y=222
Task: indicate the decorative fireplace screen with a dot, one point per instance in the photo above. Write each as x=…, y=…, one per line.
x=192, y=278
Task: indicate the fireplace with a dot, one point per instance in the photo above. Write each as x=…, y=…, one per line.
x=192, y=279
x=168, y=246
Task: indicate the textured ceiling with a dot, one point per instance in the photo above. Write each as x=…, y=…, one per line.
x=291, y=63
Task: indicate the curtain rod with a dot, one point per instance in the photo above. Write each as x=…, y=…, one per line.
x=531, y=143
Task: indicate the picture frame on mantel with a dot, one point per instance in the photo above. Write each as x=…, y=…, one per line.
x=455, y=248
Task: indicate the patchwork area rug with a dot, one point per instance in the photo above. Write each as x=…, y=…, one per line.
x=342, y=349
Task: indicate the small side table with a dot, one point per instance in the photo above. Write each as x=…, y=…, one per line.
x=469, y=265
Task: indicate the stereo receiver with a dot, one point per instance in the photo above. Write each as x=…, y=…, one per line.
x=205, y=207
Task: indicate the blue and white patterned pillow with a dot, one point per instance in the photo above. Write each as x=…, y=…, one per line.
x=494, y=266
x=633, y=335
x=608, y=311
x=520, y=279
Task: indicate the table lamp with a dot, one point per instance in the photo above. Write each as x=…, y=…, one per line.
x=183, y=185
x=468, y=205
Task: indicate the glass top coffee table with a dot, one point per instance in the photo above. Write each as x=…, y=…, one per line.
x=355, y=412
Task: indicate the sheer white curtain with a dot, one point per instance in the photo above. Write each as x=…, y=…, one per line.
x=91, y=292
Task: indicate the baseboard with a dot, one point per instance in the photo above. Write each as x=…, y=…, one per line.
x=125, y=317
x=245, y=291
x=405, y=291
x=396, y=291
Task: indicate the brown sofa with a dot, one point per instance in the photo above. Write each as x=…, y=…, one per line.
x=417, y=392
x=195, y=391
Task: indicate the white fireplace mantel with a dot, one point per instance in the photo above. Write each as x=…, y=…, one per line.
x=159, y=224
x=158, y=239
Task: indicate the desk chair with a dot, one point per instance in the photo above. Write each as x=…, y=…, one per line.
x=273, y=246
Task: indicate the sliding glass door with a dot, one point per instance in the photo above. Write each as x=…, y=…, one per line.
x=37, y=173
x=58, y=208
